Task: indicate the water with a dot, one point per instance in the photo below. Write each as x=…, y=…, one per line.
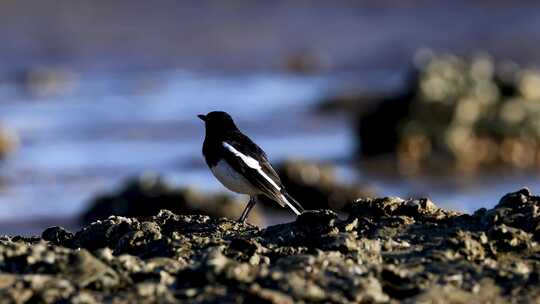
x=112, y=126
x=108, y=130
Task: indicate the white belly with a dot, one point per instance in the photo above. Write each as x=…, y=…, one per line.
x=232, y=180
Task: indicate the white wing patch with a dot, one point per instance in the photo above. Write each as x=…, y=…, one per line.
x=252, y=163
x=290, y=205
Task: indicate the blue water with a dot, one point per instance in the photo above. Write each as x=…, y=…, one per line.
x=90, y=140
x=112, y=127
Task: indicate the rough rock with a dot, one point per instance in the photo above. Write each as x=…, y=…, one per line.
x=148, y=194
x=460, y=113
x=387, y=250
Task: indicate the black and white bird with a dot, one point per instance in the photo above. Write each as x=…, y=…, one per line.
x=240, y=165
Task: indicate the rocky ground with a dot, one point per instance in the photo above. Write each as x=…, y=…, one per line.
x=387, y=250
x=146, y=195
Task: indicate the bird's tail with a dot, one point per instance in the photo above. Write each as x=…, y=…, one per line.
x=291, y=203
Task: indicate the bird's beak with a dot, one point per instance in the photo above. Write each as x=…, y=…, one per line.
x=202, y=117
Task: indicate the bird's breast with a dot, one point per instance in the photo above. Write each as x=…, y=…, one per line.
x=233, y=180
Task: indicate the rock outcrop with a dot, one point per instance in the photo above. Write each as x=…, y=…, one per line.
x=388, y=250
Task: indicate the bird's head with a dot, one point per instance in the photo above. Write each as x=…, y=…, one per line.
x=218, y=121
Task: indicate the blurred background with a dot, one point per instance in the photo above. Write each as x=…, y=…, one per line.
x=98, y=103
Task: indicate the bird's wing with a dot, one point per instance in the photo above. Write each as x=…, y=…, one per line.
x=249, y=159
x=259, y=173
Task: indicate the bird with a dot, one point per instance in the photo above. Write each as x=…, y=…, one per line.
x=240, y=164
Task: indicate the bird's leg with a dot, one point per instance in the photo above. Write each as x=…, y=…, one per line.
x=245, y=213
